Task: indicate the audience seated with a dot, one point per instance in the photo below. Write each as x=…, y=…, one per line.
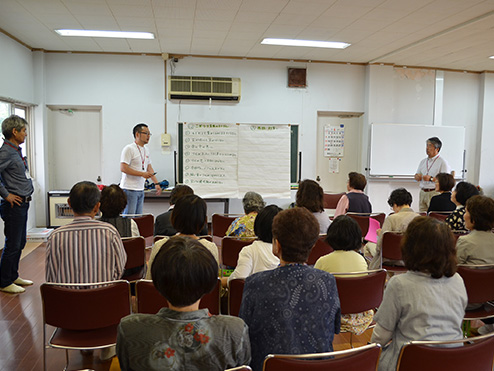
x=400, y=201
x=244, y=225
x=345, y=237
x=355, y=201
x=163, y=224
x=182, y=337
x=428, y=301
x=188, y=217
x=113, y=202
x=294, y=308
x=460, y=196
x=86, y=250
x=311, y=196
x=442, y=202
x=258, y=256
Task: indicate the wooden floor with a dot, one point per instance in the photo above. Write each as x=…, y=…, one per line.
x=21, y=328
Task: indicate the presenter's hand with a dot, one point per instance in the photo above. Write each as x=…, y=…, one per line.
x=418, y=177
x=147, y=174
x=158, y=189
x=427, y=178
x=14, y=199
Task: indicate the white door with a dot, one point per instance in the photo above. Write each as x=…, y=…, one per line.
x=335, y=182
x=74, y=147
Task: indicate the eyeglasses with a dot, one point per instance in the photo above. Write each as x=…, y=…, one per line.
x=145, y=133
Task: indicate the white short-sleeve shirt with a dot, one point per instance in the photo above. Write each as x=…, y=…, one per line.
x=432, y=167
x=137, y=158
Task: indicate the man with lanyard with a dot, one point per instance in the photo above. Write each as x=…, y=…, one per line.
x=427, y=171
x=135, y=166
x=16, y=188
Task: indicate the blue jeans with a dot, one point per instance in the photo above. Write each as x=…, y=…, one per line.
x=135, y=200
x=15, y=221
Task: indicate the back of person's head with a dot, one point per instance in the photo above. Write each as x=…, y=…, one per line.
x=481, y=210
x=263, y=225
x=464, y=191
x=189, y=214
x=310, y=195
x=183, y=271
x=446, y=182
x=400, y=197
x=10, y=123
x=357, y=181
x=436, y=142
x=84, y=196
x=296, y=230
x=428, y=245
x=344, y=234
x=138, y=128
x=253, y=202
x=180, y=190
x=113, y=201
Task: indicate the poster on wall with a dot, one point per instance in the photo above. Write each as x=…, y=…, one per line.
x=334, y=140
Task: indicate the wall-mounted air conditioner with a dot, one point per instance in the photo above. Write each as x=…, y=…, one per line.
x=204, y=88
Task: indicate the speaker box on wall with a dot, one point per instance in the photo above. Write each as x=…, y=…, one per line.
x=297, y=77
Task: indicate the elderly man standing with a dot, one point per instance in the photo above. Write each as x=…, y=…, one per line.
x=428, y=168
x=135, y=165
x=16, y=188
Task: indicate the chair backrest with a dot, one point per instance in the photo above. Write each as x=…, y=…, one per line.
x=476, y=278
x=145, y=223
x=391, y=245
x=330, y=200
x=85, y=306
x=221, y=222
x=363, y=220
x=135, y=247
x=235, y=293
x=149, y=300
x=360, y=291
x=320, y=248
x=474, y=353
x=230, y=248
x=439, y=215
x=363, y=359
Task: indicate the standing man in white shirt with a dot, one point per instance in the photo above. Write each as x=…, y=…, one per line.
x=428, y=168
x=135, y=165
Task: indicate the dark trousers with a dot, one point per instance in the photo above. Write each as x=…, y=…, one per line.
x=15, y=221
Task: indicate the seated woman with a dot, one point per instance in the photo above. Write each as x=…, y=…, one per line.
x=258, y=256
x=244, y=225
x=428, y=301
x=188, y=217
x=400, y=201
x=460, y=196
x=345, y=237
x=182, y=336
x=294, y=308
x=355, y=201
x=311, y=196
x=442, y=202
x=113, y=201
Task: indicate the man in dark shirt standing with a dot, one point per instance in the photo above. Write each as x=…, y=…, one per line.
x=16, y=188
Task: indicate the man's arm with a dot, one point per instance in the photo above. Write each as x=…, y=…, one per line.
x=125, y=168
x=154, y=179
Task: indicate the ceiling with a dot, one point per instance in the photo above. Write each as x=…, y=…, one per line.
x=445, y=34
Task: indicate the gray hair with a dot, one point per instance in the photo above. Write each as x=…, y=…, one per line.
x=11, y=123
x=253, y=201
x=436, y=142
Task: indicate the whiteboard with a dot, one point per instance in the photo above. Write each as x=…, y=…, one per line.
x=397, y=149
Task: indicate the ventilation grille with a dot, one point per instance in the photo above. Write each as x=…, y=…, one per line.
x=198, y=87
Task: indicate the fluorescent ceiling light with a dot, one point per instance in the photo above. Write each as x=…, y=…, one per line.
x=309, y=43
x=491, y=57
x=114, y=34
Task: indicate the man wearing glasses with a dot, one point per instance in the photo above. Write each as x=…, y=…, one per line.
x=135, y=166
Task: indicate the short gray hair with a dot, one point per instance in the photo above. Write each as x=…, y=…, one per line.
x=11, y=123
x=253, y=201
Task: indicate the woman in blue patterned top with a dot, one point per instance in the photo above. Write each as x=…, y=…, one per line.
x=293, y=309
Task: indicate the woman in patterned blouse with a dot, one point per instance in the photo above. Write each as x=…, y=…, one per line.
x=460, y=196
x=244, y=225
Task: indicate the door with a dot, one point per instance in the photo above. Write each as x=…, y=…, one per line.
x=74, y=146
x=335, y=182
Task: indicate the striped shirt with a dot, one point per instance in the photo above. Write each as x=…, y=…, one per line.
x=85, y=251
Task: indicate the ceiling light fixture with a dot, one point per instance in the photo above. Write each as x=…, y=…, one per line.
x=113, y=34
x=491, y=57
x=308, y=43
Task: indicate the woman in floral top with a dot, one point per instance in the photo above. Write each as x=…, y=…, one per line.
x=244, y=225
x=460, y=196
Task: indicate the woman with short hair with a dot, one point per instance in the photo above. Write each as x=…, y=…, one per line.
x=311, y=196
x=112, y=202
x=442, y=202
x=428, y=301
x=244, y=226
x=460, y=196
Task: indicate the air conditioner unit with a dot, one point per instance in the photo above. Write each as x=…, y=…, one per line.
x=204, y=88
